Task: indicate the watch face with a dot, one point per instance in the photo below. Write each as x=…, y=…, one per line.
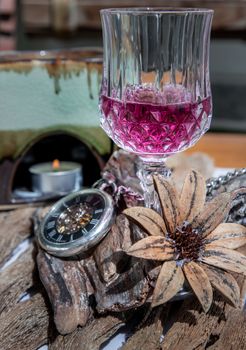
x=77, y=222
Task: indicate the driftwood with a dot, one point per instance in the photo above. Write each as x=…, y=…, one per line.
x=14, y=230
x=113, y=245
x=68, y=290
x=38, y=327
x=71, y=283
x=26, y=326
x=149, y=335
x=193, y=329
x=17, y=279
x=104, y=278
x=24, y=315
x=90, y=337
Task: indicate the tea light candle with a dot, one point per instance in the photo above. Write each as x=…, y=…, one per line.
x=57, y=177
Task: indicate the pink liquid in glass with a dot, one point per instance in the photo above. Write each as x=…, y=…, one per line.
x=147, y=121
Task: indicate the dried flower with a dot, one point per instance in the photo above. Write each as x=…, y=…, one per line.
x=192, y=241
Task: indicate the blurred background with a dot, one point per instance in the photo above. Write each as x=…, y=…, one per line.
x=51, y=24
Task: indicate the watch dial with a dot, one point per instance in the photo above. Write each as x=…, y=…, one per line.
x=74, y=218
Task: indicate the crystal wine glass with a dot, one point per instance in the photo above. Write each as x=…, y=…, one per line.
x=155, y=96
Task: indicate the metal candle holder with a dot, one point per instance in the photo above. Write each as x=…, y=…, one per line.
x=66, y=179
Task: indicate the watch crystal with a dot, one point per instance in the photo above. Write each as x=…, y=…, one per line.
x=74, y=218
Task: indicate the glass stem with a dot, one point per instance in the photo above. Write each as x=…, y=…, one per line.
x=146, y=170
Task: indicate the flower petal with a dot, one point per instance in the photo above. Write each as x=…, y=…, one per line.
x=226, y=259
x=228, y=235
x=148, y=219
x=192, y=197
x=224, y=282
x=169, y=282
x=168, y=198
x=199, y=283
x=152, y=247
x=214, y=213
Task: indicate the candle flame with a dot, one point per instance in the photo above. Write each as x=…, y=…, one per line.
x=56, y=164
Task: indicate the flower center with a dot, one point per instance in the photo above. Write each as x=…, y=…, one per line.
x=188, y=242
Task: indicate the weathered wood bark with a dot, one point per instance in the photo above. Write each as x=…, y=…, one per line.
x=229, y=337
x=110, y=252
x=15, y=227
x=148, y=337
x=25, y=326
x=193, y=329
x=90, y=337
x=70, y=283
x=68, y=290
x=130, y=290
x=17, y=279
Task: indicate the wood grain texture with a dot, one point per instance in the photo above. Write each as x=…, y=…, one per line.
x=71, y=283
x=193, y=329
x=90, y=337
x=17, y=279
x=129, y=291
x=229, y=338
x=148, y=337
x=68, y=289
x=15, y=227
x=111, y=250
x=26, y=326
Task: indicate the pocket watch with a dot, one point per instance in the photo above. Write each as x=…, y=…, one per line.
x=76, y=223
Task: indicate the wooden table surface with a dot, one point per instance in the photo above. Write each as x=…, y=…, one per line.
x=227, y=150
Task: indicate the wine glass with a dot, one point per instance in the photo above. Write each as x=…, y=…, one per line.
x=155, y=97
